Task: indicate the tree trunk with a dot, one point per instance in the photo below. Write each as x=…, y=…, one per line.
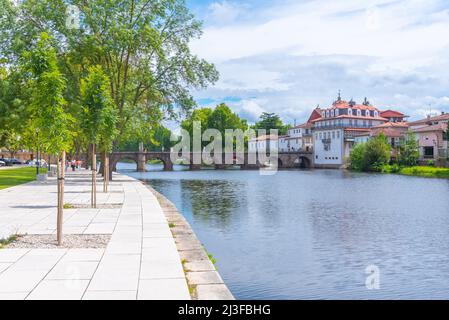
x=102, y=160
x=61, y=176
x=94, y=177
x=88, y=157
x=105, y=171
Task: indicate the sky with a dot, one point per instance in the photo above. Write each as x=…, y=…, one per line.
x=288, y=56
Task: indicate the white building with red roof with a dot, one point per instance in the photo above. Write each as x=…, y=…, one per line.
x=334, y=132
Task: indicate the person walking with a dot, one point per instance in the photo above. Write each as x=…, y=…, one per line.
x=73, y=164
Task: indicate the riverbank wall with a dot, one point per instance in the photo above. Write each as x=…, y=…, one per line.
x=205, y=282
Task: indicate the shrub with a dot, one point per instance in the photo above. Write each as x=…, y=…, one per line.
x=431, y=163
x=409, y=154
x=377, y=154
x=356, y=157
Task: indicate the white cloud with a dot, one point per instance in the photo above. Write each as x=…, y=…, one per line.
x=295, y=55
x=224, y=12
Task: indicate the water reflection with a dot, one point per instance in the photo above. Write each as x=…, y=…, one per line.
x=311, y=234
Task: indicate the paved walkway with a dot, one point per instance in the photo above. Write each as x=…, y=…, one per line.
x=140, y=262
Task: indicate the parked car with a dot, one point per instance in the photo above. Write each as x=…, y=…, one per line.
x=32, y=163
x=2, y=163
x=6, y=161
x=15, y=161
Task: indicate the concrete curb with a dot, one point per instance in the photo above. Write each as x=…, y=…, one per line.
x=204, y=281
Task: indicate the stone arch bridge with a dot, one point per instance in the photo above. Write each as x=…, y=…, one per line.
x=286, y=160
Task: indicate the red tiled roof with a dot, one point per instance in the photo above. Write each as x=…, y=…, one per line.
x=316, y=114
x=391, y=114
x=392, y=125
x=358, y=129
x=344, y=105
x=435, y=127
x=388, y=132
x=303, y=126
x=442, y=117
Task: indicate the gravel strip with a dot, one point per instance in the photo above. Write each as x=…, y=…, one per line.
x=99, y=206
x=71, y=241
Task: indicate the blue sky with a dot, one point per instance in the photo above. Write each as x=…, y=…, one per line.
x=289, y=56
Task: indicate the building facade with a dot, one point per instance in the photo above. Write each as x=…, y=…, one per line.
x=335, y=132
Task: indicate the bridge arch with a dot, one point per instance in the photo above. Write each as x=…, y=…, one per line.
x=116, y=158
x=168, y=165
x=303, y=162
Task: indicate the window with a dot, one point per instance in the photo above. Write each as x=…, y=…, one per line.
x=336, y=112
x=338, y=134
x=359, y=113
x=333, y=134
x=332, y=113
x=321, y=136
x=350, y=111
x=376, y=114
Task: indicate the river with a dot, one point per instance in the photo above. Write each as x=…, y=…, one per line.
x=312, y=234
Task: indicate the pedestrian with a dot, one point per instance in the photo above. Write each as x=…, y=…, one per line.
x=78, y=164
x=73, y=164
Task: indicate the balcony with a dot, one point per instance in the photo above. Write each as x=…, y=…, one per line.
x=343, y=126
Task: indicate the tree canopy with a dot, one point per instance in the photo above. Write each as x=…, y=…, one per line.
x=142, y=46
x=269, y=121
x=221, y=118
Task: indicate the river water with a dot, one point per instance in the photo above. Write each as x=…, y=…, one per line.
x=313, y=234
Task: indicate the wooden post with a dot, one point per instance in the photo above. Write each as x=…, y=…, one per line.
x=94, y=177
x=61, y=176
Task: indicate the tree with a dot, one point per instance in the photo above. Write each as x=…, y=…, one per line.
x=98, y=117
x=47, y=108
x=141, y=45
x=409, y=152
x=357, y=157
x=269, y=121
x=221, y=118
x=377, y=153
x=13, y=111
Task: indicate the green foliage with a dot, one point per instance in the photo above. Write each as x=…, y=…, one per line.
x=394, y=168
x=142, y=46
x=409, y=152
x=48, y=105
x=99, y=115
x=221, y=118
x=372, y=155
x=431, y=163
x=270, y=121
x=357, y=157
x=14, y=116
x=423, y=171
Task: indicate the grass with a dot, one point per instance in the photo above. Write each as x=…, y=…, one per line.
x=10, y=239
x=16, y=176
x=422, y=171
x=418, y=171
x=211, y=258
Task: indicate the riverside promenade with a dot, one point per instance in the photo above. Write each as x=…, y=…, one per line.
x=140, y=261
